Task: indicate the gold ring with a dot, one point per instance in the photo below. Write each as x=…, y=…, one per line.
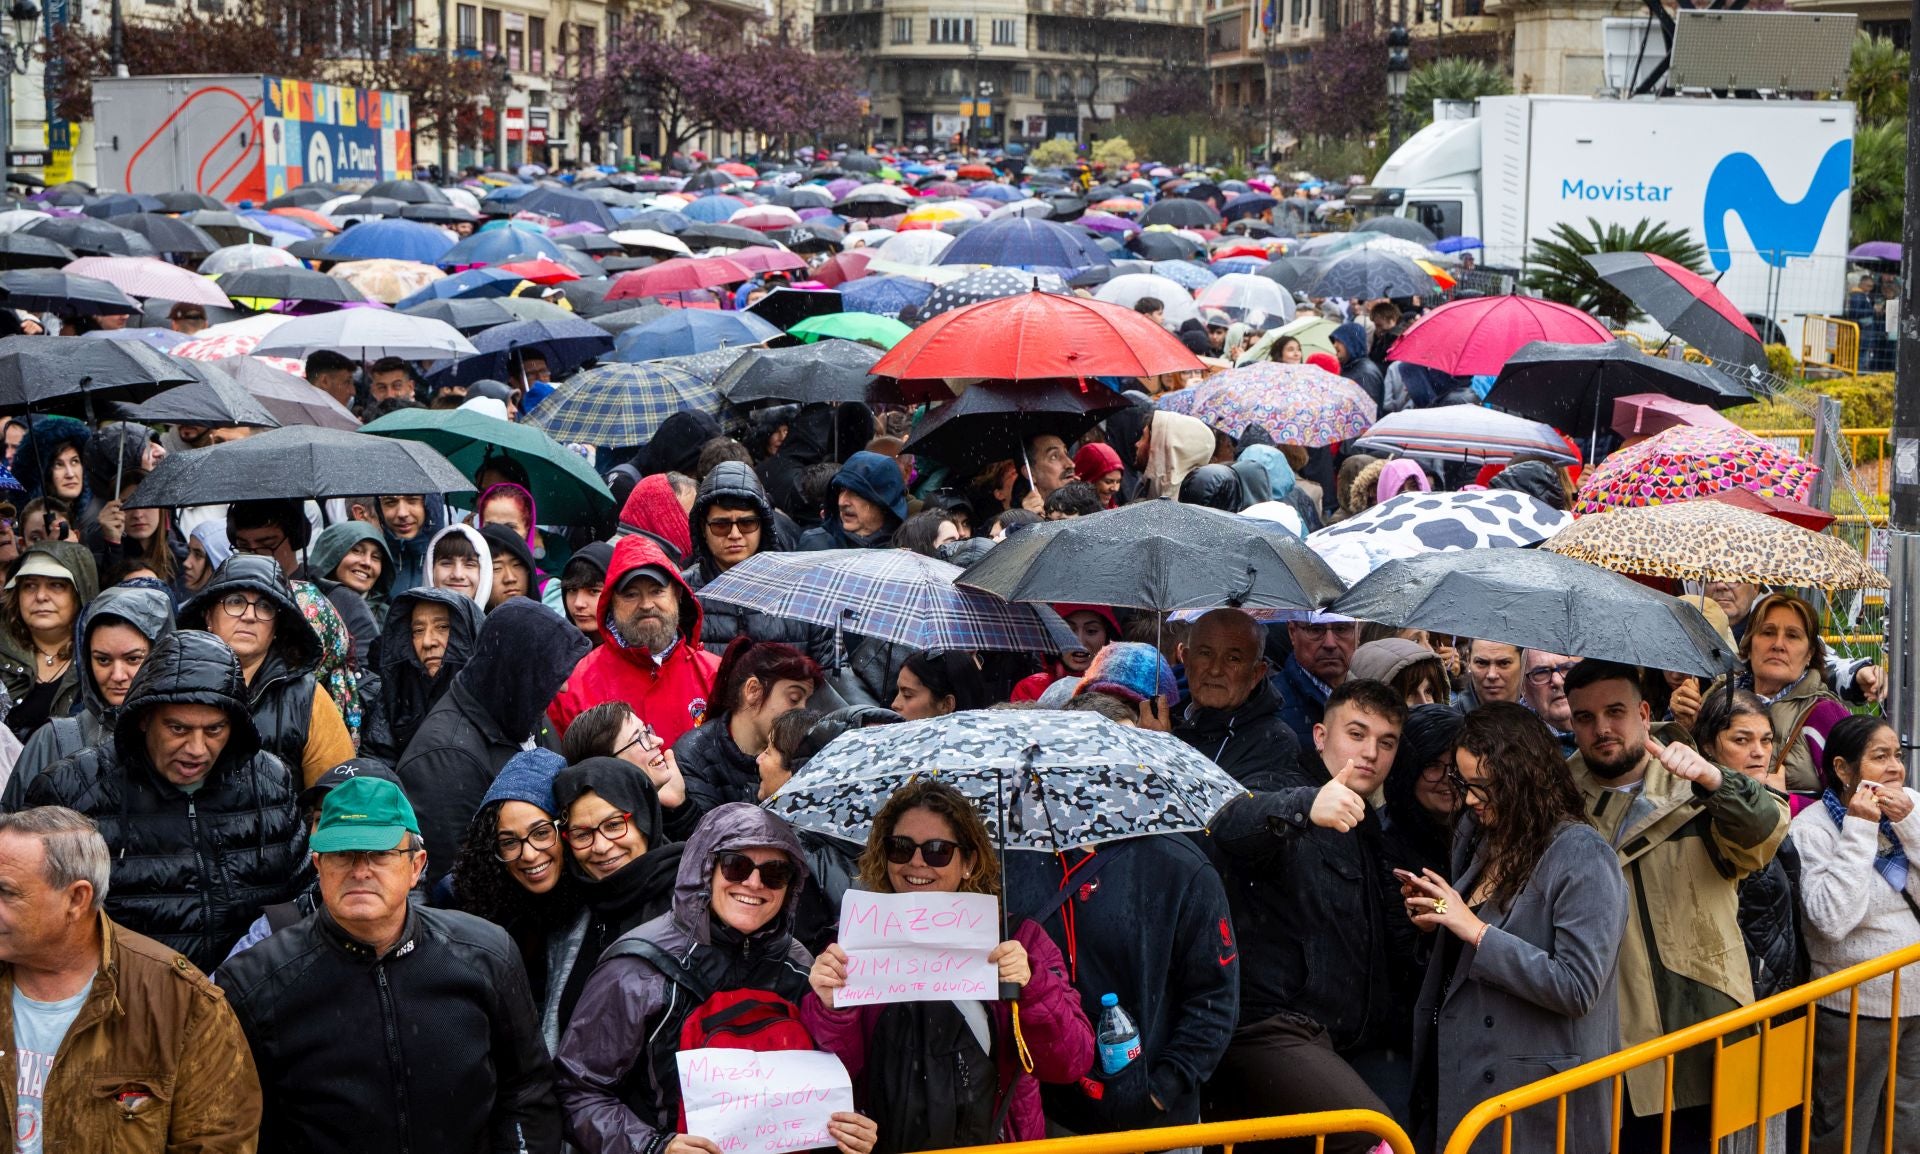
x=1440, y=907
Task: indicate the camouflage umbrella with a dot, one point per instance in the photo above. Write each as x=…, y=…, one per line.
x=1709, y=540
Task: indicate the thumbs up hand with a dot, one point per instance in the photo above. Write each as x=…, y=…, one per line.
x=1684, y=762
x=1338, y=806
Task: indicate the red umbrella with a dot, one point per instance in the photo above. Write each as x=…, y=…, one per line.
x=846, y=266
x=1033, y=336
x=1786, y=508
x=541, y=270
x=1685, y=303
x=975, y=172
x=736, y=169
x=1476, y=336
x=763, y=260
x=682, y=274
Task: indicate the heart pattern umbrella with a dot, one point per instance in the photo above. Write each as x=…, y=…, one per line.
x=1684, y=463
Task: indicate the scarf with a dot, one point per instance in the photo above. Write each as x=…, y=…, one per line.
x=1890, y=859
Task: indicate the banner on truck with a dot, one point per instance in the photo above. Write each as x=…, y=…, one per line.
x=317, y=132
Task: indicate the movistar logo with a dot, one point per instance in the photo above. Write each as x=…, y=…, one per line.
x=1615, y=190
x=1779, y=228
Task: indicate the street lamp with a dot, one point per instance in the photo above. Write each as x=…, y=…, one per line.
x=973, y=102
x=502, y=81
x=1399, y=65
x=17, y=53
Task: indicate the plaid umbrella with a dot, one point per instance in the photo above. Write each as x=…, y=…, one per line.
x=1684, y=462
x=620, y=405
x=1711, y=541
x=895, y=595
x=1415, y=523
x=1296, y=404
x=1067, y=779
x=985, y=285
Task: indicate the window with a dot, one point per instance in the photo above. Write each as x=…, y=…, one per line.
x=586, y=47
x=1139, y=5
x=516, y=50
x=1003, y=32
x=536, y=44
x=1043, y=86
x=1021, y=82
x=467, y=22
x=489, y=30
x=903, y=29
x=950, y=30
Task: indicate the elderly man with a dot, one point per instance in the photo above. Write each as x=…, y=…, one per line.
x=1048, y=465
x=1545, y=690
x=183, y=785
x=1323, y=646
x=1493, y=674
x=871, y=501
x=379, y=1024
x=1232, y=713
x=169, y=1052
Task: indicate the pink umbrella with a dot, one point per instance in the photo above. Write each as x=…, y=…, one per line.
x=149, y=277
x=764, y=260
x=1476, y=336
x=577, y=228
x=1644, y=414
x=764, y=217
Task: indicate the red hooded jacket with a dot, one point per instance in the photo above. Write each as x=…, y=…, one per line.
x=652, y=508
x=670, y=695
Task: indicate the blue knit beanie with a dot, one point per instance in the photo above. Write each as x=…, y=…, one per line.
x=1130, y=670
x=528, y=776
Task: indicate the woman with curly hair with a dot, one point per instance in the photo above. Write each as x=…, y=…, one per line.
x=1533, y=928
x=930, y=839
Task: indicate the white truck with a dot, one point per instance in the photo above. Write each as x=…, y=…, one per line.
x=1764, y=185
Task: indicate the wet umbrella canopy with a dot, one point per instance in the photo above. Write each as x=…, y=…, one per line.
x=298, y=462
x=60, y=375
x=828, y=371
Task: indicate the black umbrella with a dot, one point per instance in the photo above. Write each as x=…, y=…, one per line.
x=986, y=285
x=468, y=314
x=993, y=420
x=1293, y=273
x=570, y=207
x=226, y=227
x=433, y=213
x=1406, y=228
x=181, y=200
x=586, y=293
x=804, y=238
x=618, y=264
x=64, y=293
x=620, y=320
x=826, y=372
x=1158, y=555
x=1539, y=600
x=1180, y=213
x=216, y=399
x=373, y=206
x=289, y=284
x=1686, y=304
x=303, y=196
x=300, y=463
x=709, y=178
x=1165, y=246
x=61, y=375
x=25, y=250
x=784, y=308
x=1572, y=387
x=700, y=235
x=168, y=233
x=411, y=191
x=589, y=242
x=291, y=400
x=1063, y=207
x=118, y=204
x=859, y=162
x=1251, y=205
x=1369, y=273
x=312, y=248
x=90, y=237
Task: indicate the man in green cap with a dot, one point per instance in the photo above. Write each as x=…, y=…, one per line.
x=409, y=1016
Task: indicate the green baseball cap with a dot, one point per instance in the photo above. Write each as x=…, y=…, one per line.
x=365, y=813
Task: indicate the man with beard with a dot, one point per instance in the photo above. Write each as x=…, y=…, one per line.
x=1685, y=832
x=650, y=656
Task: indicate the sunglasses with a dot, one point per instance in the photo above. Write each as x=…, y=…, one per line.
x=936, y=852
x=738, y=867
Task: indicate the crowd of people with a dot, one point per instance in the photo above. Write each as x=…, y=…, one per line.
x=394, y=823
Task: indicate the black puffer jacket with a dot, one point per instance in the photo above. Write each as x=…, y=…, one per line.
x=1770, y=923
x=281, y=692
x=811, y=439
x=1255, y=738
x=406, y=692
x=191, y=870
x=737, y=484
x=716, y=770
x=496, y=704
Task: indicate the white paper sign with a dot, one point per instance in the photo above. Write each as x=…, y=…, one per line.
x=918, y=948
x=754, y=1103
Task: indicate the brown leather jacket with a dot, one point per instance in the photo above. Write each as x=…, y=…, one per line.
x=155, y=1060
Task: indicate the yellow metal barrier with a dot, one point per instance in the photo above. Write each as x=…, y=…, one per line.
x=1831, y=344
x=1223, y=1134
x=1754, y=1078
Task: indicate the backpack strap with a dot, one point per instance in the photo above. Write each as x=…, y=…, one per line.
x=1088, y=869
x=662, y=1046
x=659, y=959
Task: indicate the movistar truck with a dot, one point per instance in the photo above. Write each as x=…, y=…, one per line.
x=1763, y=185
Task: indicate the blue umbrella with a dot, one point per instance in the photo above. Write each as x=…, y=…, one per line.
x=687, y=331
x=162, y=339
x=1456, y=243
x=121, y=203
x=1249, y=205
x=507, y=194
x=565, y=206
x=513, y=226
x=390, y=240
x=278, y=225
x=712, y=209
x=1004, y=193
x=499, y=246
x=1027, y=243
x=475, y=282
x=565, y=343
x=1237, y=264
x=883, y=295
x=1184, y=273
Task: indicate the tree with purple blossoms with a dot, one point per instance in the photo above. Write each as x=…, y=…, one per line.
x=1341, y=92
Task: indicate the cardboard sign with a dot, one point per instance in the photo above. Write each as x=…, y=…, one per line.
x=755, y=1103
x=918, y=948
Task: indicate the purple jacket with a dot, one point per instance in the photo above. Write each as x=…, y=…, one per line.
x=1055, y=1028
x=626, y=1000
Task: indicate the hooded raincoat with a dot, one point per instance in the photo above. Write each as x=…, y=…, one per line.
x=17, y=658
x=875, y=477
x=653, y=511
x=360, y=612
x=737, y=485
x=406, y=691
x=481, y=549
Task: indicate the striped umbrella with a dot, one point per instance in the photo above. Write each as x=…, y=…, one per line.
x=147, y=277
x=1464, y=433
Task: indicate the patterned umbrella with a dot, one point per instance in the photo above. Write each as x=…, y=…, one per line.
x=895, y=595
x=390, y=281
x=1068, y=779
x=883, y=295
x=1710, y=541
x=621, y=405
x=1184, y=273
x=1416, y=523
x=1683, y=463
x=1296, y=404
x=985, y=285
x=1464, y=433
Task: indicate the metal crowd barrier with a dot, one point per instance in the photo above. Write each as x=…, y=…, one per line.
x=1222, y=1134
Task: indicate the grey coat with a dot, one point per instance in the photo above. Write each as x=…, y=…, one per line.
x=1539, y=997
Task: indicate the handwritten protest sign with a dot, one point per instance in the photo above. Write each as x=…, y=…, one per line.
x=747, y=1102
x=918, y=948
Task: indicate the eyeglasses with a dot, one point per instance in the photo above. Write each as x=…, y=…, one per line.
x=1547, y=673
x=613, y=829
x=262, y=548
x=1466, y=788
x=936, y=852
x=239, y=605
x=728, y=526
x=540, y=835
x=738, y=867
x=645, y=735
x=380, y=859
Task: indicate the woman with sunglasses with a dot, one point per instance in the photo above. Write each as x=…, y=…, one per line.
x=730, y=928
x=1522, y=983
x=930, y=839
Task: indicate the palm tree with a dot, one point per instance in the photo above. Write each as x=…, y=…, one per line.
x=1877, y=79
x=1452, y=78
x=1558, y=269
x=1879, y=181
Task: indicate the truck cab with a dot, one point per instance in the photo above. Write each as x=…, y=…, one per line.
x=1433, y=178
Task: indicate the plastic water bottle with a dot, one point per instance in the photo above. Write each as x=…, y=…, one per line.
x=1118, y=1037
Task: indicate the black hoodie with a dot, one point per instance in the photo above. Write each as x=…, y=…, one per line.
x=675, y=447
x=738, y=485
x=812, y=438
x=496, y=705
x=406, y=692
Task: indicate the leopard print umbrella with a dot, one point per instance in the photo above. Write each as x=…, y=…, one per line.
x=1709, y=540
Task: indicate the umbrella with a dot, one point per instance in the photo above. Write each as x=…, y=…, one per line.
x=1644, y=414
x=1463, y=433
x=566, y=206
x=168, y=233
x=564, y=486
x=1712, y=541
x=1296, y=404
x=616, y=322
x=1880, y=250
x=1794, y=512
x=44, y=290
x=917, y=249
x=89, y=236
x=885, y=295
x=985, y=285
x=473, y=282
x=149, y=277
x=1406, y=228
x=1539, y=600
x=411, y=192
x=1158, y=555
x=1293, y=273
x=719, y=234
x=685, y=331
x=765, y=217
x=185, y=200
x=289, y=284
x=498, y=246
x=650, y=239
x=216, y=399
x=895, y=595
x=1158, y=244
x=166, y=340
x=881, y=332
x=25, y=250
x=468, y=315
x=843, y=267
x=621, y=405
x=673, y=276
x=1248, y=205
x=1127, y=290
x=1046, y=781
x=766, y=260
x=1188, y=275
x=44, y=374
x=1687, y=304
x=785, y=307
x=389, y=240
x=115, y=204
x=1180, y=213
x=433, y=214
x=540, y=270
x=1366, y=274
x=244, y=257
x=224, y=226
x=826, y=372
x=1683, y=463
x=387, y=281
x=367, y=335
x=1479, y=335
x=564, y=343
x=300, y=462
x=1246, y=297
x=1415, y=523
x=1573, y=387
x=1035, y=336
x=1024, y=242
x=367, y=207
x=291, y=400
x=993, y=421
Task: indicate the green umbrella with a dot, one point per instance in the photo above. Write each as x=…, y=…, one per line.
x=564, y=486
x=870, y=327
